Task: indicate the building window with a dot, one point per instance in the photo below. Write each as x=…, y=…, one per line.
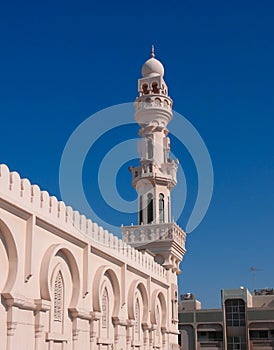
x=149, y=208
x=210, y=336
x=260, y=334
x=236, y=343
x=105, y=309
x=235, y=313
x=58, y=298
x=161, y=208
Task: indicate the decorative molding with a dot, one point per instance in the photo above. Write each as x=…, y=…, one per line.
x=56, y=337
x=19, y=301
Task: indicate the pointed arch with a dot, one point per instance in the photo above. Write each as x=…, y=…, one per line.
x=61, y=291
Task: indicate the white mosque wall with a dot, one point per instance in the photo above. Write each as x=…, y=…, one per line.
x=68, y=284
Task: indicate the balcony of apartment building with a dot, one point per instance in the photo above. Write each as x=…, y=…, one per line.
x=210, y=336
x=261, y=338
x=260, y=318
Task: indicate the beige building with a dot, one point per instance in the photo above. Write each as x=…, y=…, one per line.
x=245, y=322
x=68, y=284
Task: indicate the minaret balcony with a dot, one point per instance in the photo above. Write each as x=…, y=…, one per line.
x=152, y=102
x=148, y=170
x=140, y=235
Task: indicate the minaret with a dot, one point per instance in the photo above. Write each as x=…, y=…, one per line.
x=155, y=177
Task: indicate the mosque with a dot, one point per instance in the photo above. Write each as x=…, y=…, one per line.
x=68, y=284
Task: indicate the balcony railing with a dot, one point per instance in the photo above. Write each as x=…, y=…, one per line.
x=153, y=232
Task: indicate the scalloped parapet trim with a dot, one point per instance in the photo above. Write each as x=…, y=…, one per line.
x=31, y=199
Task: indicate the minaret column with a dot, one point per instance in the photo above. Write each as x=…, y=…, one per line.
x=155, y=176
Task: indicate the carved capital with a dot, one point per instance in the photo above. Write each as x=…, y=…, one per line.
x=38, y=330
x=11, y=326
x=75, y=334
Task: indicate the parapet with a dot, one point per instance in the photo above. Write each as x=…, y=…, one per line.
x=33, y=201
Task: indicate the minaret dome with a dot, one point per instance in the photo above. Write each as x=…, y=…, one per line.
x=152, y=67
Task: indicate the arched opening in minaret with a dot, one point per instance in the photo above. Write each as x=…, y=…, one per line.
x=161, y=208
x=155, y=88
x=145, y=89
x=141, y=210
x=149, y=208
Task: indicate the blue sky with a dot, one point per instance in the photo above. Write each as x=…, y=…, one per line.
x=62, y=61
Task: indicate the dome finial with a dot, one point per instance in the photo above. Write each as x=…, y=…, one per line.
x=152, y=51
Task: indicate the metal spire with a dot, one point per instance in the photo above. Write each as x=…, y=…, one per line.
x=152, y=51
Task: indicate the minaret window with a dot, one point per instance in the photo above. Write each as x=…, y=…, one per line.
x=141, y=210
x=161, y=208
x=149, y=208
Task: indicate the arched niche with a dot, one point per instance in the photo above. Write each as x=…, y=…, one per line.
x=9, y=258
x=101, y=273
x=48, y=266
x=137, y=285
x=158, y=296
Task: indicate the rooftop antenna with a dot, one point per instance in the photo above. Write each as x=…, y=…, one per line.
x=254, y=270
